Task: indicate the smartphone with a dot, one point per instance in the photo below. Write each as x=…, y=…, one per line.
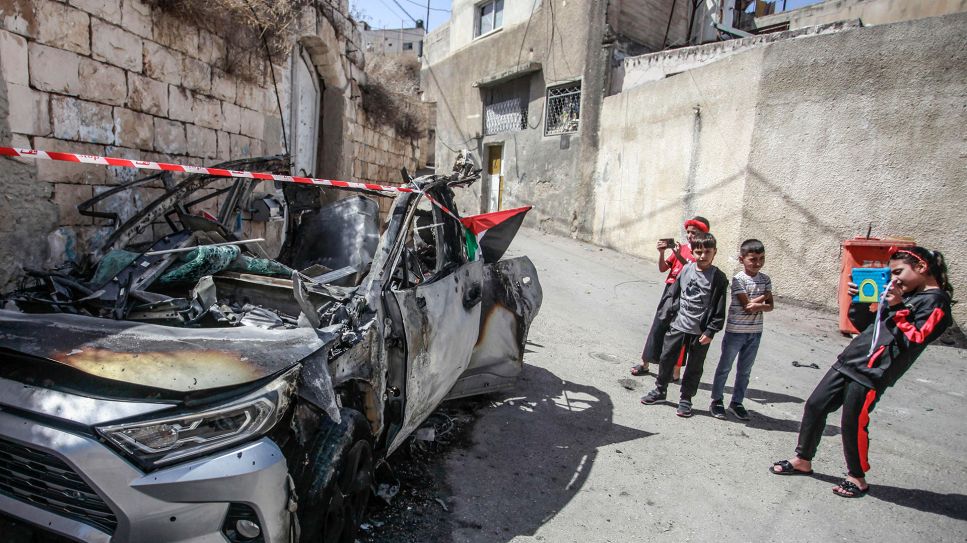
x=670, y=242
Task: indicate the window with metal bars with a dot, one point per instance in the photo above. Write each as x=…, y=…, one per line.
x=507, y=115
x=505, y=106
x=563, y=109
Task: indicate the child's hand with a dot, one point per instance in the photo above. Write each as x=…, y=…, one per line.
x=894, y=296
x=704, y=340
x=852, y=289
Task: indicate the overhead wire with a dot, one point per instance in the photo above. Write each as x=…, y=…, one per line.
x=419, y=5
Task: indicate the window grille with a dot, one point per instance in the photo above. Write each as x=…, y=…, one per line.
x=563, y=109
x=510, y=114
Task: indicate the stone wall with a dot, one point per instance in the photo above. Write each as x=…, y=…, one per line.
x=800, y=143
x=118, y=78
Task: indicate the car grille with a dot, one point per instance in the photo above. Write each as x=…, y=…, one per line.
x=43, y=480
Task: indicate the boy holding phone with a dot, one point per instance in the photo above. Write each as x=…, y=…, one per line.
x=673, y=264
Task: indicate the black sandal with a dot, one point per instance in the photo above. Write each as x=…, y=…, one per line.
x=786, y=468
x=639, y=370
x=849, y=489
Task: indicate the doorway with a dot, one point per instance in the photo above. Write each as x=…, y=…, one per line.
x=495, y=177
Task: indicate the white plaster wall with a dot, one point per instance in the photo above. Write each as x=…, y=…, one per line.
x=802, y=144
x=871, y=12
x=462, y=18
x=674, y=149
x=859, y=127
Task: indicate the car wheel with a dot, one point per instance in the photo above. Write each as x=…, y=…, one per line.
x=340, y=472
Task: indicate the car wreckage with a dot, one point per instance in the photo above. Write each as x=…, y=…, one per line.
x=189, y=387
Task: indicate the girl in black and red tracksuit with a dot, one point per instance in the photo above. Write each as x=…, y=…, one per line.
x=916, y=312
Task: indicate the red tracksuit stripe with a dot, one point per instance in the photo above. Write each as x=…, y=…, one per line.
x=876, y=355
x=863, y=436
x=681, y=357
x=910, y=330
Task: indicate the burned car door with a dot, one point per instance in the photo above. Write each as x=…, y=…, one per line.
x=511, y=298
x=438, y=294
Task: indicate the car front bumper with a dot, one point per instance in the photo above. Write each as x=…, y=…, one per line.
x=187, y=502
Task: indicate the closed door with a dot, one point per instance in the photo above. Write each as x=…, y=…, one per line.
x=495, y=154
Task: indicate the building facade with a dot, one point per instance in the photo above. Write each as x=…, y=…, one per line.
x=617, y=120
x=521, y=84
x=406, y=42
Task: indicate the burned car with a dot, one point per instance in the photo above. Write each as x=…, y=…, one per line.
x=189, y=387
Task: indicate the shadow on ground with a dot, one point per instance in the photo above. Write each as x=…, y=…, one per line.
x=949, y=505
x=761, y=396
x=533, y=451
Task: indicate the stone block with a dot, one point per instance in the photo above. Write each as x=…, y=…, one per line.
x=19, y=17
x=196, y=75
x=116, y=46
x=69, y=172
x=231, y=117
x=208, y=112
x=67, y=197
x=29, y=111
x=162, y=63
x=13, y=51
x=252, y=124
x=136, y=18
x=133, y=129
x=272, y=136
x=74, y=119
x=244, y=147
x=169, y=137
x=121, y=175
x=250, y=96
x=181, y=104
x=174, y=33
x=147, y=95
x=224, y=147
x=211, y=48
x=53, y=70
x=109, y=10
x=224, y=87
x=202, y=141
x=102, y=82
x=63, y=27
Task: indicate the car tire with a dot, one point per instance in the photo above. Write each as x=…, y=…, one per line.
x=339, y=472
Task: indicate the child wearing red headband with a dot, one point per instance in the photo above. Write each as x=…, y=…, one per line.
x=914, y=312
x=673, y=264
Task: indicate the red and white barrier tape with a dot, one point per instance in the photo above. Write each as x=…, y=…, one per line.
x=218, y=172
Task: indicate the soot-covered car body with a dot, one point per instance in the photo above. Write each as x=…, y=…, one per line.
x=213, y=394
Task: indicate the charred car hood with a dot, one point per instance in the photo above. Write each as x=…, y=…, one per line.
x=177, y=359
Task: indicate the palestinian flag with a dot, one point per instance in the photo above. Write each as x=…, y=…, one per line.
x=489, y=234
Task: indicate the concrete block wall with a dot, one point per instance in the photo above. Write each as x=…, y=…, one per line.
x=116, y=78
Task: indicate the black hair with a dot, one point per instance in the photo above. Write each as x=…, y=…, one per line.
x=702, y=220
x=752, y=246
x=704, y=241
x=936, y=263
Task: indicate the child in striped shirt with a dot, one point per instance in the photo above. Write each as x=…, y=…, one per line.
x=751, y=297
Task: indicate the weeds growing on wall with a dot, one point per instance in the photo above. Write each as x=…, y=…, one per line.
x=394, y=82
x=249, y=28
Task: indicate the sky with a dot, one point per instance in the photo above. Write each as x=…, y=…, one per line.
x=391, y=13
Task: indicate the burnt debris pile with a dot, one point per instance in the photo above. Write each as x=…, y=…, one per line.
x=174, y=263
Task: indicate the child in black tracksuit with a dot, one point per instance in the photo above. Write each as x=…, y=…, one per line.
x=695, y=313
x=916, y=311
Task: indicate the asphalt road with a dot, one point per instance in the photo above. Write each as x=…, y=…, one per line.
x=572, y=455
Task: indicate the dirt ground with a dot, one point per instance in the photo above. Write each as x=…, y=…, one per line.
x=571, y=454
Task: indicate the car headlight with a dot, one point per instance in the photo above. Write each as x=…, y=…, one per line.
x=163, y=441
